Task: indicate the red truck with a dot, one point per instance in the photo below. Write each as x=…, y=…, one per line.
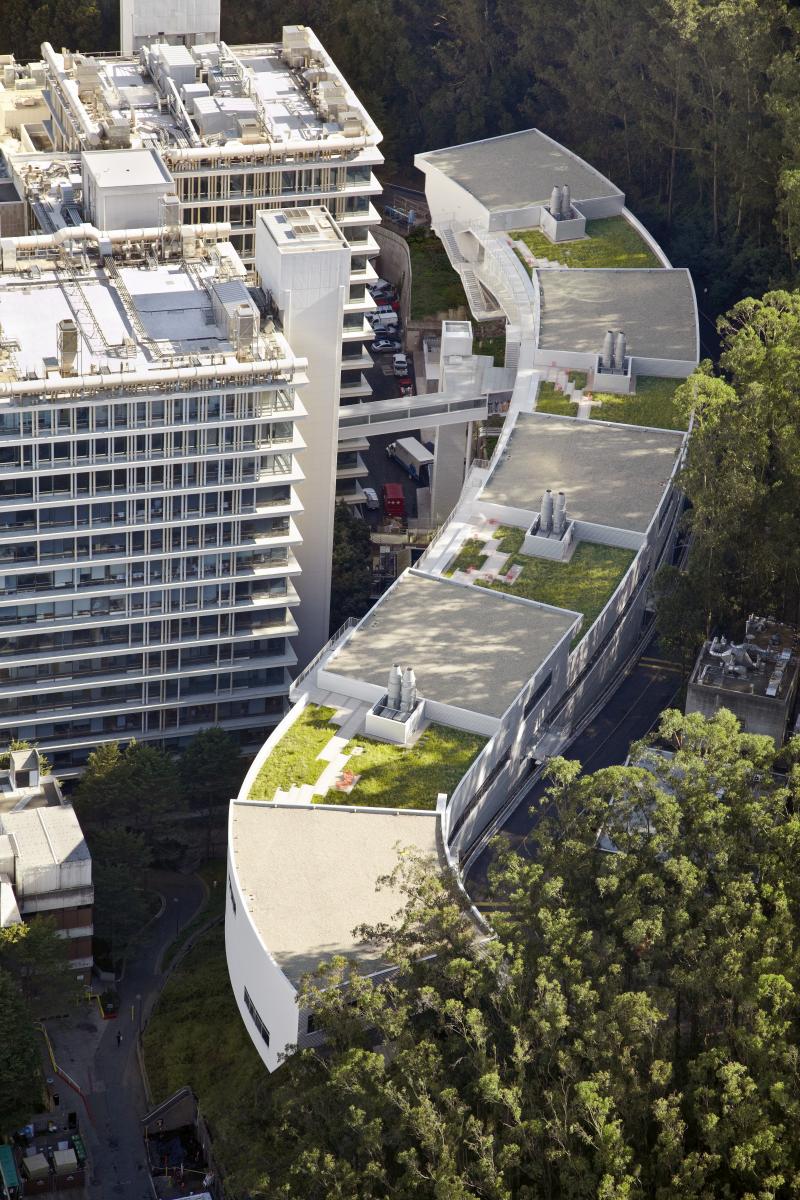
x=394, y=504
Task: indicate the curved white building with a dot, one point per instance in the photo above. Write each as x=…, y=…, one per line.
x=529, y=601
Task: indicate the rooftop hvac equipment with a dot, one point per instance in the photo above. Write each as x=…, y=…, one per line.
x=245, y=327
x=555, y=201
x=170, y=211
x=67, y=346
x=394, y=690
x=560, y=515
x=566, y=201
x=546, y=515
x=607, y=357
x=408, y=690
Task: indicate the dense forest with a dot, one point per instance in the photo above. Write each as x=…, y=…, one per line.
x=630, y=1031
x=692, y=106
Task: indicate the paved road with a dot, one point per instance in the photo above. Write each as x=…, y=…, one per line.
x=630, y=713
x=86, y=1047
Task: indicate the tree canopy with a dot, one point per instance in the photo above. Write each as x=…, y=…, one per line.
x=631, y=1027
x=742, y=476
x=20, y=1072
x=351, y=572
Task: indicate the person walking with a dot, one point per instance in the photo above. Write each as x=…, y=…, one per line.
x=119, y=1038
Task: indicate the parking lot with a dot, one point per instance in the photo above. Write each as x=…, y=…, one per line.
x=385, y=386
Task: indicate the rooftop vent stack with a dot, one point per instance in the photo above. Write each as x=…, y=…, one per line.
x=67, y=346
x=408, y=693
x=607, y=357
x=547, y=511
x=560, y=514
x=395, y=682
x=555, y=201
x=620, y=348
x=566, y=201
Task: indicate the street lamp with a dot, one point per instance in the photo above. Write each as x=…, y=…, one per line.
x=177, y=916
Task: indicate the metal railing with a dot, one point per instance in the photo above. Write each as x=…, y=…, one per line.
x=340, y=634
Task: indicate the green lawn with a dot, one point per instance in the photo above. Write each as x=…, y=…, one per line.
x=579, y=378
x=400, y=777
x=511, y=539
x=496, y=346
x=196, y=1037
x=435, y=286
x=550, y=400
x=652, y=404
x=293, y=760
x=471, y=554
x=584, y=584
x=611, y=242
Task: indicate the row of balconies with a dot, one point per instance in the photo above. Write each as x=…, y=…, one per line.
x=124, y=697
x=131, y=667
x=60, y=614
x=162, y=636
x=53, y=738
x=97, y=581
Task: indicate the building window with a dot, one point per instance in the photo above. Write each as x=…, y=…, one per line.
x=259, y=1024
x=233, y=898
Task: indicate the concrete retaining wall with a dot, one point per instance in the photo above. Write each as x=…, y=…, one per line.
x=394, y=263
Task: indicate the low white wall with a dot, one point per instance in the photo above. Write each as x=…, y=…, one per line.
x=563, y=231
x=671, y=368
x=569, y=360
x=556, y=549
x=606, y=535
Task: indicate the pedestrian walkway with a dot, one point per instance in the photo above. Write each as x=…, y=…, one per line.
x=101, y=1055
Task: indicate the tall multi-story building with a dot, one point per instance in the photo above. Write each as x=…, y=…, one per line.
x=147, y=491
x=235, y=131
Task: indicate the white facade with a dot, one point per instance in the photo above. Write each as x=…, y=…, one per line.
x=147, y=501
x=304, y=261
x=186, y=22
x=124, y=189
x=516, y=670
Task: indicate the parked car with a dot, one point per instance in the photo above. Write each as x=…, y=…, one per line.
x=371, y=498
x=383, y=345
x=406, y=387
x=381, y=285
x=400, y=365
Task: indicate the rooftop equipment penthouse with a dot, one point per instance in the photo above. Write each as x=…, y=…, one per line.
x=756, y=678
x=147, y=443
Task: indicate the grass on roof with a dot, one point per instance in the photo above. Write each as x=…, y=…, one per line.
x=294, y=759
x=652, y=404
x=611, y=242
x=584, y=584
x=472, y=554
x=408, y=777
x=511, y=539
x=550, y=400
x=435, y=286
